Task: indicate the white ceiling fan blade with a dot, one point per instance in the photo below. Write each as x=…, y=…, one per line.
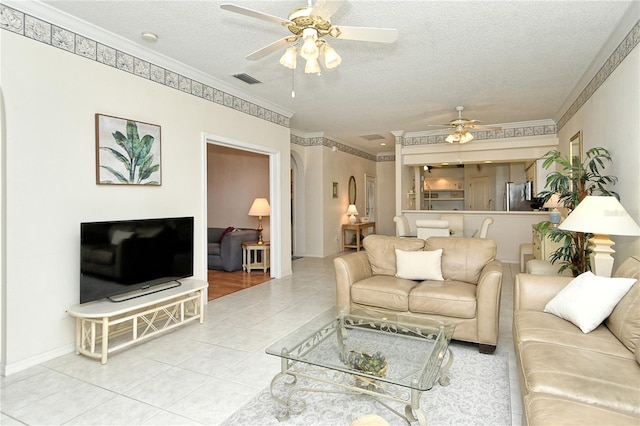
x=481, y=127
x=255, y=14
x=377, y=35
x=326, y=8
x=268, y=49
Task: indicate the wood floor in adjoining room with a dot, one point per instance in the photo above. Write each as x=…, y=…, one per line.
x=222, y=283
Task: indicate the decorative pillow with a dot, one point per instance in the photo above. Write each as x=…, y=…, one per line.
x=419, y=265
x=588, y=299
x=380, y=250
x=225, y=232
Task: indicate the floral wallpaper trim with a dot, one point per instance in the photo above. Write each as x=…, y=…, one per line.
x=619, y=54
x=31, y=27
x=322, y=141
x=515, y=132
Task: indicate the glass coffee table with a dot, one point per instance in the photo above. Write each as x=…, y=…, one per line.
x=363, y=352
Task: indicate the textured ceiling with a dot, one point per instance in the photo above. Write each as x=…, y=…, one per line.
x=505, y=61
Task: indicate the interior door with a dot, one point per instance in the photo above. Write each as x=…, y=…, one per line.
x=370, y=197
x=479, y=193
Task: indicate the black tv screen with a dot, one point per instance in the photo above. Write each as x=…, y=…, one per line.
x=127, y=256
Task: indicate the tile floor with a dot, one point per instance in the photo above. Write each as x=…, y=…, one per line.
x=198, y=374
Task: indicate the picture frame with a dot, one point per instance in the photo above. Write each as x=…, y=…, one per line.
x=575, y=154
x=334, y=190
x=575, y=146
x=128, y=152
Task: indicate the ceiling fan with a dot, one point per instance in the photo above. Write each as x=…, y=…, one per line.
x=461, y=127
x=310, y=24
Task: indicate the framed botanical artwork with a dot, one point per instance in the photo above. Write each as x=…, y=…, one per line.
x=127, y=152
x=334, y=190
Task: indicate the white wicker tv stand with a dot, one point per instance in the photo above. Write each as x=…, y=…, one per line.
x=103, y=327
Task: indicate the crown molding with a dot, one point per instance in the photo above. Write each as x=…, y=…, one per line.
x=62, y=19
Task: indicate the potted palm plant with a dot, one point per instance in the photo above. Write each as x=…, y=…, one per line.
x=572, y=181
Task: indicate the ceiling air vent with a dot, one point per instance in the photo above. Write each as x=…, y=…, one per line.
x=246, y=78
x=372, y=137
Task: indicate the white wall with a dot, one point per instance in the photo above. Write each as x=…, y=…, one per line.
x=386, y=189
x=234, y=179
x=51, y=97
x=609, y=119
x=324, y=215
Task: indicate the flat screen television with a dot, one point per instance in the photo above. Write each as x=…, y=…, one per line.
x=124, y=259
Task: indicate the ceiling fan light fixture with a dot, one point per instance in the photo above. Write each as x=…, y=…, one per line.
x=309, y=48
x=453, y=137
x=331, y=57
x=288, y=59
x=466, y=137
x=312, y=66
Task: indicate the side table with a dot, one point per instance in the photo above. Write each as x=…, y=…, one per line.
x=256, y=256
x=357, y=229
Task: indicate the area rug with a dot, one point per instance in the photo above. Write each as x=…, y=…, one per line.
x=477, y=395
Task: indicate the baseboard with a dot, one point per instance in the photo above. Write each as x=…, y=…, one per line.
x=16, y=367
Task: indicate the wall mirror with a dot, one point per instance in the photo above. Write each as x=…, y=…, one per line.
x=352, y=190
x=575, y=147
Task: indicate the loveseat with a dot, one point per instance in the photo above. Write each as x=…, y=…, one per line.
x=567, y=376
x=466, y=291
x=224, y=247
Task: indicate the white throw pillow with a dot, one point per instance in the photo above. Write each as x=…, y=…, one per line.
x=419, y=265
x=589, y=299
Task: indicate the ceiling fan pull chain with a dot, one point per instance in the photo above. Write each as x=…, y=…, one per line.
x=293, y=85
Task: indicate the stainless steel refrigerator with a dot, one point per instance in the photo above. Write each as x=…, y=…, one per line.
x=518, y=196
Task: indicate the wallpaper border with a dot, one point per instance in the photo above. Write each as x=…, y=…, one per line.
x=48, y=33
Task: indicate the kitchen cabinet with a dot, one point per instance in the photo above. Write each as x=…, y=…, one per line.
x=443, y=194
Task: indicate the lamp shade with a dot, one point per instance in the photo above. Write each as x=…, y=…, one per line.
x=331, y=57
x=600, y=215
x=288, y=59
x=466, y=137
x=260, y=207
x=352, y=209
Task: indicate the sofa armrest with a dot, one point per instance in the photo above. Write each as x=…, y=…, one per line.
x=350, y=269
x=214, y=234
x=533, y=292
x=231, y=248
x=488, y=293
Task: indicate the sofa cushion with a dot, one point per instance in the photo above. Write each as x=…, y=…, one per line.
x=383, y=291
x=588, y=299
x=545, y=409
x=419, y=265
x=380, y=250
x=449, y=298
x=463, y=258
x=548, y=328
x=624, y=321
x=587, y=376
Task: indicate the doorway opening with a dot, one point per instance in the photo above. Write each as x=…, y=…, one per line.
x=274, y=196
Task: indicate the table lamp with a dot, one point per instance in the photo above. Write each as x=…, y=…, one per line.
x=353, y=212
x=553, y=203
x=602, y=216
x=260, y=207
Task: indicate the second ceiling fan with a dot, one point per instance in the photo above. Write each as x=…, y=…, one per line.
x=461, y=127
x=310, y=24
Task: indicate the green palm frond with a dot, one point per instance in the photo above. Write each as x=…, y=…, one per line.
x=572, y=182
x=136, y=158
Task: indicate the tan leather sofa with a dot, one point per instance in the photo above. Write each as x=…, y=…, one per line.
x=571, y=378
x=469, y=296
